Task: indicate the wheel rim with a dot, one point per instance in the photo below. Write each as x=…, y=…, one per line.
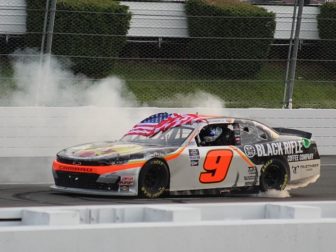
x=154, y=180
x=273, y=177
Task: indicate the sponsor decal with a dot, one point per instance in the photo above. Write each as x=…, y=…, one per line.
x=194, y=162
x=295, y=168
x=75, y=169
x=194, y=154
x=250, y=151
x=154, y=154
x=300, y=157
x=124, y=188
x=309, y=167
x=305, y=167
x=119, y=162
x=252, y=170
x=126, y=181
x=306, y=142
x=249, y=183
x=249, y=177
x=274, y=149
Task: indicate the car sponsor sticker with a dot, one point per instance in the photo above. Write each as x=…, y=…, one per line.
x=300, y=157
x=194, y=162
x=274, y=149
x=306, y=142
x=295, y=168
x=194, y=154
x=126, y=181
x=305, y=167
x=250, y=151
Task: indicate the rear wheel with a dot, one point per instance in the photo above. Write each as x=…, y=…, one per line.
x=274, y=175
x=153, y=179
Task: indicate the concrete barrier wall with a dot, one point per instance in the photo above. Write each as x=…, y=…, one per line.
x=239, y=227
x=31, y=136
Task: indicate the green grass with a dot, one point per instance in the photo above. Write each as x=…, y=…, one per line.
x=7, y=84
x=156, y=83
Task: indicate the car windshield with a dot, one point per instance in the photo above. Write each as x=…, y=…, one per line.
x=171, y=137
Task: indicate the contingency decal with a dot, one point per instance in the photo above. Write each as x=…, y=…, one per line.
x=194, y=157
x=236, y=131
x=252, y=176
x=274, y=149
x=126, y=182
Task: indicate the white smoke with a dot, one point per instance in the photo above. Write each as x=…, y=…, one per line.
x=96, y=109
x=274, y=194
x=48, y=83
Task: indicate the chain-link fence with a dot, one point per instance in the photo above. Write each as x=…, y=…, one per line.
x=167, y=51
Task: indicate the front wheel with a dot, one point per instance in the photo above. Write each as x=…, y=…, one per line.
x=274, y=175
x=153, y=179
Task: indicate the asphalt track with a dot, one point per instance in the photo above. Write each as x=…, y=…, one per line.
x=40, y=195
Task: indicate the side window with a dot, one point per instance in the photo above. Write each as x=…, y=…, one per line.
x=261, y=133
x=251, y=134
x=217, y=135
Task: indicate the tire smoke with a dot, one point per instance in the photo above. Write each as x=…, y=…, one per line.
x=48, y=83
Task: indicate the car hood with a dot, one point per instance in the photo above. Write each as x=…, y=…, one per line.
x=111, y=152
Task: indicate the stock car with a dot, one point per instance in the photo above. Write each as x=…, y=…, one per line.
x=190, y=154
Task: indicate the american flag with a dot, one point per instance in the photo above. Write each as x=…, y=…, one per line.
x=162, y=122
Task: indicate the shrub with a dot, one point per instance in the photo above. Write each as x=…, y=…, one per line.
x=326, y=21
x=240, y=33
x=91, y=32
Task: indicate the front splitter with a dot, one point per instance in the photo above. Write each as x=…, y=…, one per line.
x=92, y=191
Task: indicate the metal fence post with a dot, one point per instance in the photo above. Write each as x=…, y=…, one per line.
x=291, y=74
x=290, y=48
x=49, y=32
x=51, y=26
x=44, y=30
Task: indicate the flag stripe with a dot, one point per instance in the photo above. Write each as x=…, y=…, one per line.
x=162, y=122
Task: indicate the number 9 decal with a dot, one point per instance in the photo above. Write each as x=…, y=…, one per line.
x=216, y=166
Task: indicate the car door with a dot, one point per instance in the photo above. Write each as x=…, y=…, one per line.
x=221, y=165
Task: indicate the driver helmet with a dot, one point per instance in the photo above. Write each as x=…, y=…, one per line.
x=213, y=134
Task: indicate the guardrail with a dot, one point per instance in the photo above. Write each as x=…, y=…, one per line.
x=294, y=226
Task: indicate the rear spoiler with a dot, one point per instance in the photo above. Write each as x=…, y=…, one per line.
x=294, y=132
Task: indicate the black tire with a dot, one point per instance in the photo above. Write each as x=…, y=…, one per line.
x=153, y=179
x=274, y=175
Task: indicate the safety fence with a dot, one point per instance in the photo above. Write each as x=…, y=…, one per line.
x=243, y=54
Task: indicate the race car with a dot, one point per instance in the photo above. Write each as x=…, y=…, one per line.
x=171, y=153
